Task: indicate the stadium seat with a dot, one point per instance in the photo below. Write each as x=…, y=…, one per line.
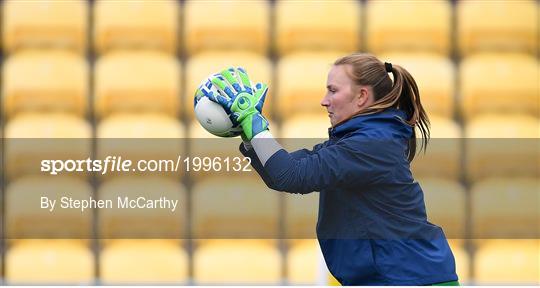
x=238, y=261
x=223, y=209
x=143, y=125
x=307, y=126
x=136, y=24
x=229, y=25
x=502, y=145
x=202, y=65
x=145, y=136
x=497, y=26
x=301, y=81
x=303, y=261
x=118, y=222
x=47, y=125
x=137, y=81
x=45, y=24
x=499, y=83
x=306, y=26
x=443, y=154
x=507, y=262
x=506, y=208
x=462, y=260
x=304, y=131
x=25, y=219
x=445, y=205
x=401, y=26
x=45, y=81
x=53, y=262
x=33, y=137
x=434, y=76
x=301, y=215
x=143, y=261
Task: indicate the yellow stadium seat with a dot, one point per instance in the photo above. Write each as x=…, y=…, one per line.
x=145, y=136
x=158, y=221
x=199, y=67
x=506, y=208
x=303, y=261
x=238, y=261
x=502, y=126
x=306, y=26
x=502, y=145
x=47, y=23
x=136, y=81
x=143, y=261
x=301, y=81
x=307, y=126
x=301, y=215
x=45, y=81
x=226, y=25
x=145, y=125
x=304, y=131
x=47, y=125
x=499, y=83
x=401, y=26
x=434, y=76
x=445, y=205
x=25, y=215
x=462, y=260
x=507, y=262
x=135, y=24
x=222, y=208
x=497, y=26
x=33, y=137
x=53, y=261
x=442, y=157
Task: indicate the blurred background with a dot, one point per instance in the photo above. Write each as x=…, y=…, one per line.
x=91, y=70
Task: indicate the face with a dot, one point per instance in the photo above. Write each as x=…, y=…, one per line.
x=343, y=97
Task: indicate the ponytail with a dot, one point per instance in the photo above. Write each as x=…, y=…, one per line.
x=402, y=94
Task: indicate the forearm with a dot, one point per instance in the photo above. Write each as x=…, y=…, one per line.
x=265, y=146
x=247, y=150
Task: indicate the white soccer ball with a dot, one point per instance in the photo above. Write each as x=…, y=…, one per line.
x=211, y=115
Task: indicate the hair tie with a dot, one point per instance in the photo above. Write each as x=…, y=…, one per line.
x=388, y=67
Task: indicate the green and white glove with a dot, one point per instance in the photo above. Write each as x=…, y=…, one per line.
x=242, y=101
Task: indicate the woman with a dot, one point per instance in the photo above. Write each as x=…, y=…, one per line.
x=372, y=225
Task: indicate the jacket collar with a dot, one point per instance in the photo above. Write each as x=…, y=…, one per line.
x=361, y=122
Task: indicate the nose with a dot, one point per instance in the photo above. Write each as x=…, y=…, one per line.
x=325, y=102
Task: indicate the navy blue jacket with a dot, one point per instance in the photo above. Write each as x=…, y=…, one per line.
x=372, y=225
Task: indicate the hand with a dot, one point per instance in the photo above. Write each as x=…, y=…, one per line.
x=243, y=103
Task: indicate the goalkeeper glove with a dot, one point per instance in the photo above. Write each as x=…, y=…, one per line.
x=242, y=101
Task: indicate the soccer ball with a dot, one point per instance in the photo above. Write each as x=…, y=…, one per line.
x=211, y=115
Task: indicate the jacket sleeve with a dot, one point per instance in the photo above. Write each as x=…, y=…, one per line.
x=350, y=161
x=299, y=154
x=257, y=165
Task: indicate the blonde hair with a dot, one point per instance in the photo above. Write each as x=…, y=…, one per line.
x=402, y=93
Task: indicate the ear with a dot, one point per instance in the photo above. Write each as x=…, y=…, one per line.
x=362, y=96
